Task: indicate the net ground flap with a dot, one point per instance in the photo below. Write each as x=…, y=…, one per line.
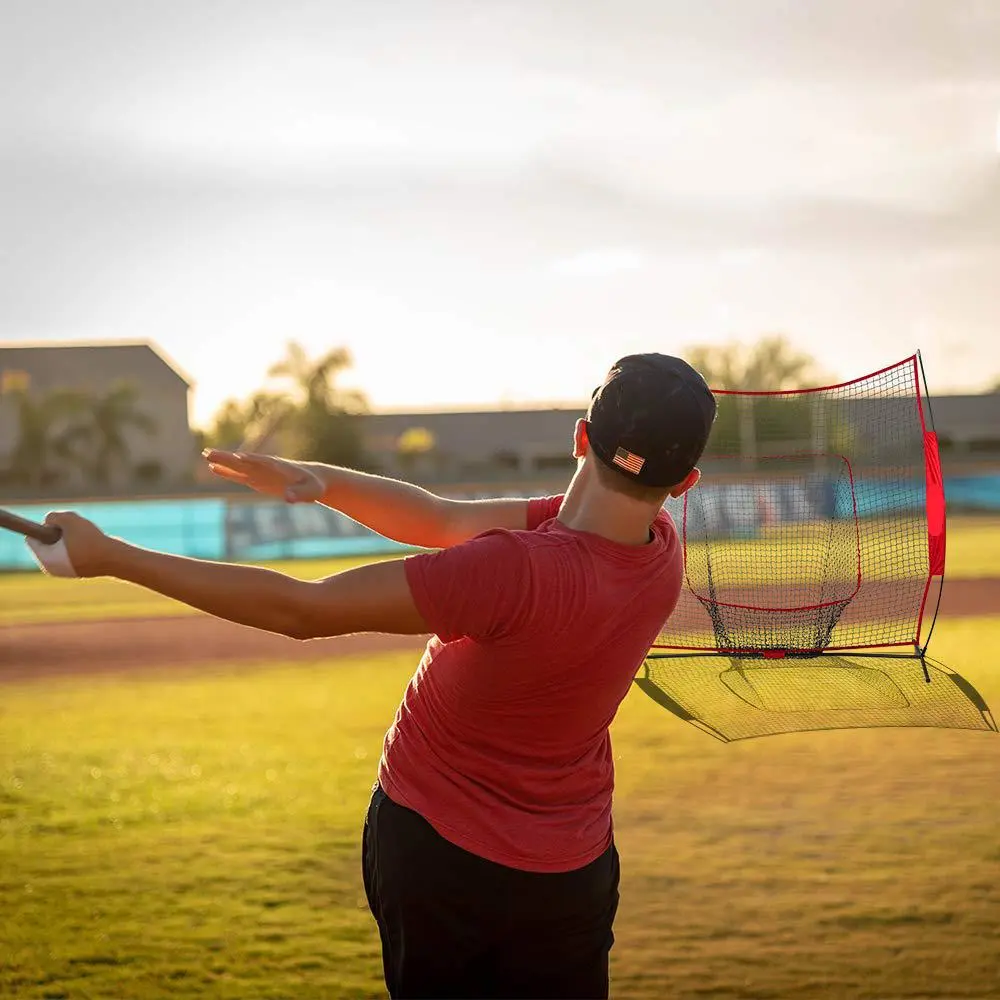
x=735, y=698
x=810, y=531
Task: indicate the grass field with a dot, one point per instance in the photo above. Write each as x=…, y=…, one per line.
x=973, y=552
x=198, y=836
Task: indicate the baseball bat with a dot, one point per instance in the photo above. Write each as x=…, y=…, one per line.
x=47, y=534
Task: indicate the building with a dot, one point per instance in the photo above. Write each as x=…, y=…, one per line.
x=163, y=458
x=473, y=446
x=968, y=426
x=536, y=444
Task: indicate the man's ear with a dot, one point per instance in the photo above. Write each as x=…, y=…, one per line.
x=689, y=481
x=580, y=443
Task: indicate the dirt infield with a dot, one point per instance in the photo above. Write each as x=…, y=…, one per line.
x=139, y=645
x=144, y=644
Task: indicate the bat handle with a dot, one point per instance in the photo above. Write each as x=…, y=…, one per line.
x=47, y=534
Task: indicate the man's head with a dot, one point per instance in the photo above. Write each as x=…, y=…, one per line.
x=648, y=424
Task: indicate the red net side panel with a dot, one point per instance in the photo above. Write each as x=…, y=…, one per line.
x=810, y=528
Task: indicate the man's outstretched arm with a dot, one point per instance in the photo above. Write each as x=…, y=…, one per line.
x=373, y=598
x=390, y=505
x=401, y=511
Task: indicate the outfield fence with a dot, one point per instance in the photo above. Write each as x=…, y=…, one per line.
x=251, y=529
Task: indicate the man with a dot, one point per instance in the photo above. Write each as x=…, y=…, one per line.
x=488, y=851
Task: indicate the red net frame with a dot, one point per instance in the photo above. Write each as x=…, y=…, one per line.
x=852, y=568
x=809, y=564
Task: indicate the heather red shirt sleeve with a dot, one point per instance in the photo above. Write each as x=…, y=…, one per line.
x=542, y=509
x=479, y=589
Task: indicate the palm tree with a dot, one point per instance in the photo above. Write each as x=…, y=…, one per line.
x=49, y=436
x=250, y=424
x=769, y=365
x=315, y=381
x=324, y=422
x=110, y=417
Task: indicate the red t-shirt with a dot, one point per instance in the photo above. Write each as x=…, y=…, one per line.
x=501, y=741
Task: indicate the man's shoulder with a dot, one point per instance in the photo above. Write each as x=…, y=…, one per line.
x=542, y=509
x=672, y=544
x=665, y=524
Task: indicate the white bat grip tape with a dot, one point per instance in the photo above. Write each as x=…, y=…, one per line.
x=53, y=559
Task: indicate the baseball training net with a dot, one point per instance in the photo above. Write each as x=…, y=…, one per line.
x=814, y=559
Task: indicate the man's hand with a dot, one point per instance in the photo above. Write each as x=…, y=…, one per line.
x=276, y=477
x=90, y=550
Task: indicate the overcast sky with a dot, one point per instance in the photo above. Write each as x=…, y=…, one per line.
x=492, y=201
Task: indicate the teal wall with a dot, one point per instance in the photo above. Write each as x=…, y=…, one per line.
x=253, y=530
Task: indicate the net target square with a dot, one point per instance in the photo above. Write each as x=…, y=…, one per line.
x=768, y=564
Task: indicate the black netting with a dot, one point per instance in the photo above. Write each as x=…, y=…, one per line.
x=809, y=530
x=735, y=698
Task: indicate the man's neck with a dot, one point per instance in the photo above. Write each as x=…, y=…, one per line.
x=589, y=506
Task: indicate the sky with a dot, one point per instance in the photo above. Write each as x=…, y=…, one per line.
x=489, y=202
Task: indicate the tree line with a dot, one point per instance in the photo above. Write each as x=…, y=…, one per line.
x=71, y=435
x=771, y=364
x=300, y=412
x=71, y=432
x=303, y=411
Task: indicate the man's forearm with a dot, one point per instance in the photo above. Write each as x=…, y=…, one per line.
x=247, y=595
x=397, y=510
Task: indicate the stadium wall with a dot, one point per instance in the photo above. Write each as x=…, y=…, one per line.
x=250, y=529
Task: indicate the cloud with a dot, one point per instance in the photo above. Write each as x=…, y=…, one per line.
x=205, y=173
x=599, y=262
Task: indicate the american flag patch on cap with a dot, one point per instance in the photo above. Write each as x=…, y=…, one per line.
x=628, y=461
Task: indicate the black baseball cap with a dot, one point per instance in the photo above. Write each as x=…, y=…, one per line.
x=651, y=418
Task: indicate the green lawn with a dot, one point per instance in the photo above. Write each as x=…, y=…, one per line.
x=198, y=836
x=973, y=551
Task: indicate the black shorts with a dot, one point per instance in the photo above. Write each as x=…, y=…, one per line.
x=456, y=925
